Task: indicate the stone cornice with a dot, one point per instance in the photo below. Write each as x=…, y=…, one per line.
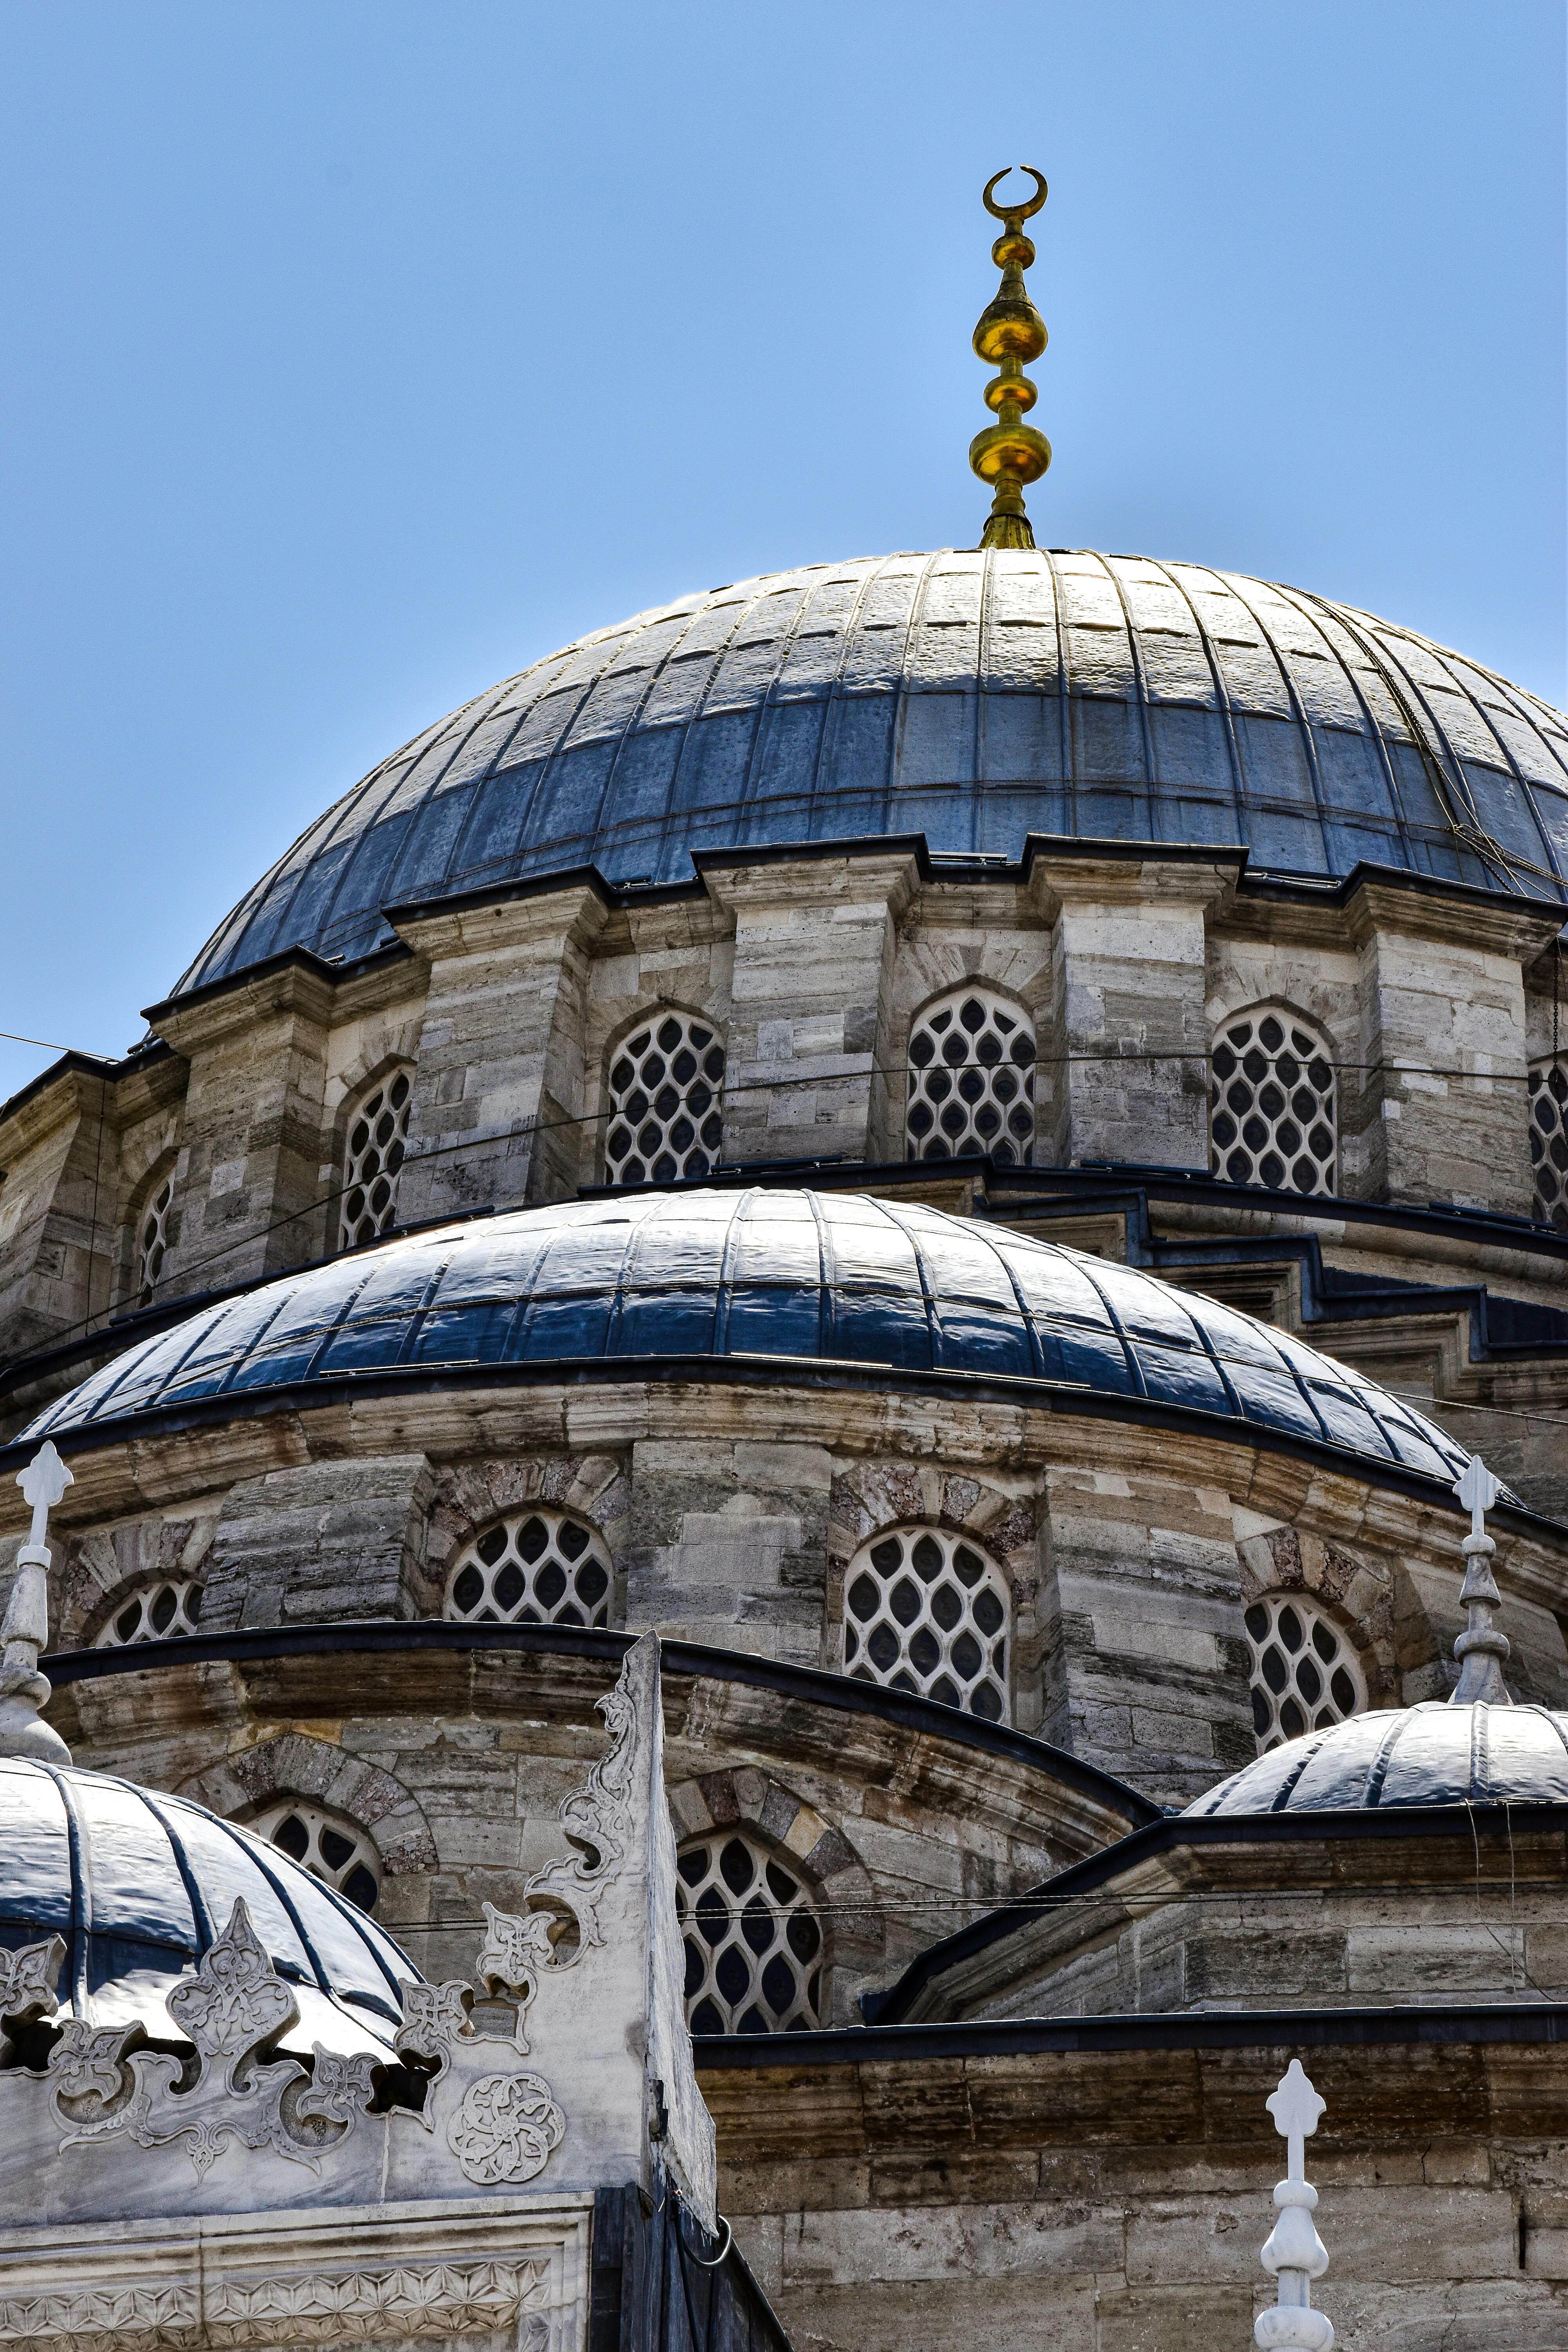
x=1518, y=929
x=572, y=910
x=742, y=884
x=1139, y=873
x=297, y=985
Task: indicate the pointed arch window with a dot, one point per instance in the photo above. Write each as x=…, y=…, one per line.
x=537, y=1567
x=1273, y=1111
x=1305, y=1675
x=373, y=1150
x=972, y=1079
x=752, y=1938
x=1549, y=1142
x=666, y=1102
x=152, y=1238
x=925, y=1610
x=327, y=1843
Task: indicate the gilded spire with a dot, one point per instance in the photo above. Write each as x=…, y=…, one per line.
x=1010, y=453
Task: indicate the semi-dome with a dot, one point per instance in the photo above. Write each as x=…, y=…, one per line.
x=141, y=1886
x=1434, y=1754
x=975, y=699
x=759, y=1275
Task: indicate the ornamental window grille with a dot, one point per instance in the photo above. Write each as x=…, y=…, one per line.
x=924, y=1611
x=972, y=1080
x=1549, y=1142
x=1305, y=1675
x=535, y=1567
x=328, y=1844
x=373, y=1155
x=753, y=1942
x=152, y=1238
x=1272, y=1117
x=158, y=1612
x=667, y=1099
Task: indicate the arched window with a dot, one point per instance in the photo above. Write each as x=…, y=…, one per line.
x=1549, y=1142
x=1272, y=1115
x=152, y=1238
x=538, y=1567
x=925, y=1611
x=330, y=1845
x=1305, y=1675
x=754, y=1943
x=154, y=1612
x=972, y=1079
x=372, y=1154
x=666, y=1098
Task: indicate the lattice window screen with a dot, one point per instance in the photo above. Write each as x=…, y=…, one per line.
x=1549, y=1142
x=328, y=1844
x=158, y=1612
x=536, y=1568
x=152, y=1239
x=754, y=1943
x=1272, y=1114
x=924, y=1611
x=1305, y=1675
x=377, y=1139
x=972, y=1080
x=666, y=1089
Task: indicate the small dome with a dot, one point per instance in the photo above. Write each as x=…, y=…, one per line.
x=835, y=1277
x=973, y=698
x=1434, y=1754
x=140, y=1884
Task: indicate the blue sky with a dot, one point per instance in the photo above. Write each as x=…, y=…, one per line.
x=357, y=355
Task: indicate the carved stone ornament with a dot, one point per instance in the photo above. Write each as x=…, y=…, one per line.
x=596, y=1821
x=507, y=2128
x=491, y=2299
x=104, y=2082
x=27, y=1981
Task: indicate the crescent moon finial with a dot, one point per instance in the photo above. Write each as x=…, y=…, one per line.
x=1016, y=212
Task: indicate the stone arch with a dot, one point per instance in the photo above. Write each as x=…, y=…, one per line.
x=471, y=1497
x=814, y=1849
x=1357, y=1594
x=104, y=1567
x=297, y=1764
x=154, y=1199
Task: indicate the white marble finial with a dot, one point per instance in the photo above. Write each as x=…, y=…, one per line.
x=43, y=1482
x=25, y=1629
x=1481, y=1650
x=1294, y=2252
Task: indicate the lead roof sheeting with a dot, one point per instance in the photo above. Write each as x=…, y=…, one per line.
x=641, y=744
x=839, y=1276
x=139, y=1885
x=1434, y=1754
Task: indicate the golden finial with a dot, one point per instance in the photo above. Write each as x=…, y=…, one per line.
x=1011, y=330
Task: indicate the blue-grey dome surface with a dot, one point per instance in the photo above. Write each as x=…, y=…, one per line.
x=973, y=698
x=782, y=1273
x=1434, y=1754
x=140, y=1884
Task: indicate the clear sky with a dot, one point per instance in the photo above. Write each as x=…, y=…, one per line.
x=359, y=351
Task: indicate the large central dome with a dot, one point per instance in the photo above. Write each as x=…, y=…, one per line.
x=973, y=698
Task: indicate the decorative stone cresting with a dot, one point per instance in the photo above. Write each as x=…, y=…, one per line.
x=1293, y=2252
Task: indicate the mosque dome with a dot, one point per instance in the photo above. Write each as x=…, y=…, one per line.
x=761, y=1274
x=1434, y=1754
x=141, y=1886
x=974, y=697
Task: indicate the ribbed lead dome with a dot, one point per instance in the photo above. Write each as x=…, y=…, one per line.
x=140, y=1886
x=974, y=699
x=783, y=1274
x=1434, y=1754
